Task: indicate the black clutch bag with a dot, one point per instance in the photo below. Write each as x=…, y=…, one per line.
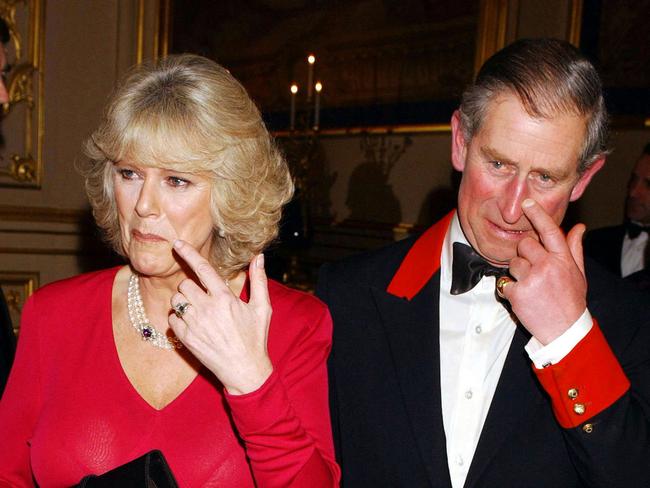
x=148, y=471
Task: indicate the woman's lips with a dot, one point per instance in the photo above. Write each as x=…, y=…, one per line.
x=140, y=236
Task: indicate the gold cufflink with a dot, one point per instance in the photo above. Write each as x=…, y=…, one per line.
x=573, y=393
x=588, y=428
x=579, y=408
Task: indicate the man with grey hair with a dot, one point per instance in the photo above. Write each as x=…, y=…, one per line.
x=474, y=355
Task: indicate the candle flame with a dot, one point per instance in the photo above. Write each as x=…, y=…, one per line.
x=294, y=88
x=311, y=59
x=318, y=86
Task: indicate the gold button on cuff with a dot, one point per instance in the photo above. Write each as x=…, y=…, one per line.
x=579, y=408
x=588, y=428
x=573, y=393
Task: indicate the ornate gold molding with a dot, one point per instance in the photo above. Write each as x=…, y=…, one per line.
x=24, y=114
x=139, y=46
x=165, y=28
x=160, y=29
x=492, y=28
x=17, y=287
x=375, y=129
x=574, y=28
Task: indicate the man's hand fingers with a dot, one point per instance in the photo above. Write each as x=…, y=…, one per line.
x=519, y=268
x=549, y=232
x=506, y=287
x=531, y=250
x=574, y=240
x=204, y=271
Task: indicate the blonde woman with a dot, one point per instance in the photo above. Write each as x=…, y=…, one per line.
x=188, y=348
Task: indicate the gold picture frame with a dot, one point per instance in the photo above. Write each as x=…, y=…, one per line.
x=17, y=287
x=21, y=158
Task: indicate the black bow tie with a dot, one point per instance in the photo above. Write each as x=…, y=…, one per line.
x=635, y=230
x=468, y=267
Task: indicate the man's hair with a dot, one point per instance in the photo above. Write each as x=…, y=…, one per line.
x=4, y=31
x=549, y=77
x=646, y=149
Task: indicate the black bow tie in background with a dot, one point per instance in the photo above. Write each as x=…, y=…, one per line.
x=635, y=230
x=468, y=267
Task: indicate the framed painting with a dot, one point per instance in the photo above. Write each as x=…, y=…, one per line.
x=615, y=36
x=378, y=62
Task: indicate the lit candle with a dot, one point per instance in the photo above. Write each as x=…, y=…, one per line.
x=311, y=59
x=292, y=117
x=318, y=87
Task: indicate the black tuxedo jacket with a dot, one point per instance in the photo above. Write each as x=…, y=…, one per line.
x=385, y=392
x=605, y=245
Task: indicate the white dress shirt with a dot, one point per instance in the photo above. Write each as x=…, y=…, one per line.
x=475, y=335
x=633, y=254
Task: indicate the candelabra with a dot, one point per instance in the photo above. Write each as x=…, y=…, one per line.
x=307, y=109
x=304, y=156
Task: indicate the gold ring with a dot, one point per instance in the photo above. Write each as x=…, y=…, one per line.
x=502, y=282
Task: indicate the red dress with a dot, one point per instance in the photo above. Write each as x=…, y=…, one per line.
x=69, y=409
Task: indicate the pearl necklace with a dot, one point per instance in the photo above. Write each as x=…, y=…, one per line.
x=141, y=323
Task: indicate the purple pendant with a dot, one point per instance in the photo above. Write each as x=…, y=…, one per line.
x=147, y=332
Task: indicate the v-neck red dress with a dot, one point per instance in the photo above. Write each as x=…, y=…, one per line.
x=69, y=409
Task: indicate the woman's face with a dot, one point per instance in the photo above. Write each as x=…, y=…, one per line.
x=157, y=206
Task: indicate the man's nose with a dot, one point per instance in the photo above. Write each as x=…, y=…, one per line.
x=515, y=192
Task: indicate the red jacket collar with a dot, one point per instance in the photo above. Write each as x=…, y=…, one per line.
x=421, y=262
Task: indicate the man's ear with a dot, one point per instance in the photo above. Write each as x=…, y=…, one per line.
x=458, y=144
x=586, y=177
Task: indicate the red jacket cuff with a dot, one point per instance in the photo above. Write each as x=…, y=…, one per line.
x=587, y=381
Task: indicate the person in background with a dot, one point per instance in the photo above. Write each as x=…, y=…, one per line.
x=475, y=355
x=7, y=337
x=188, y=348
x=623, y=249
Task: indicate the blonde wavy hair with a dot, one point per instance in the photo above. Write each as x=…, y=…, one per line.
x=189, y=114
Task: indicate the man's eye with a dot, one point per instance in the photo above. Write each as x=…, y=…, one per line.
x=546, y=179
x=497, y=164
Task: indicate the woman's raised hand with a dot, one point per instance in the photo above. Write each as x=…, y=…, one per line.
x=228, y=335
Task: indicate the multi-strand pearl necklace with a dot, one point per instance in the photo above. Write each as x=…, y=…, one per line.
x=141, y=323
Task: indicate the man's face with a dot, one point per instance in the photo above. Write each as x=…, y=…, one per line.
x=4, y=94
x=637, y=204
x=512, y=157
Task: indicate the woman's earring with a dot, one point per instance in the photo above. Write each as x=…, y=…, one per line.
x=221, y=233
